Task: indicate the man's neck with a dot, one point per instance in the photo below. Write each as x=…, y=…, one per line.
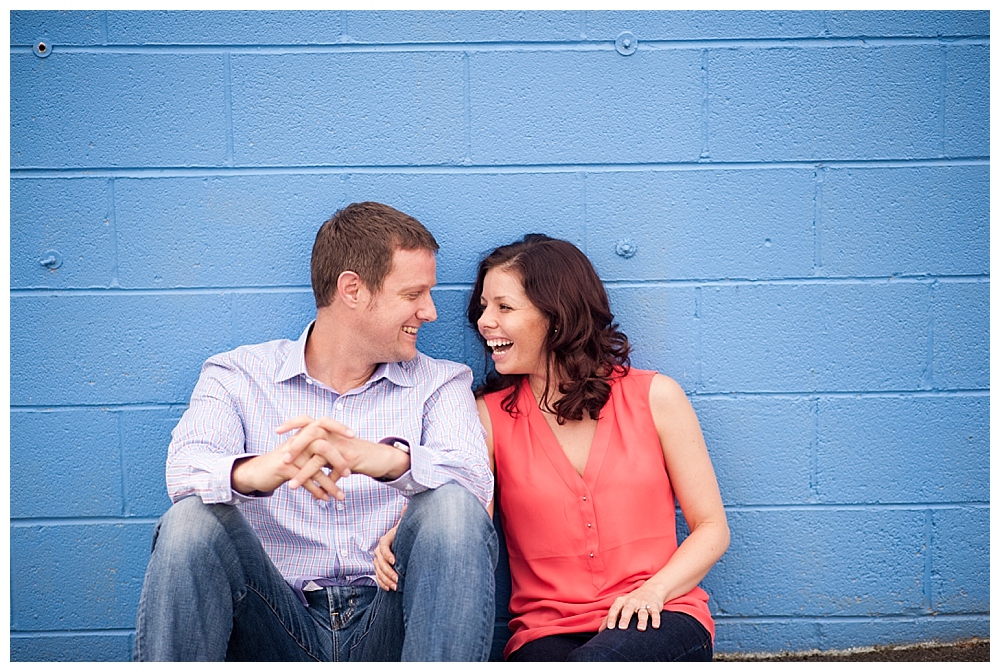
x=332, y=357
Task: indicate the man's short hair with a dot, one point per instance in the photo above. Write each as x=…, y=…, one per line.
x=363, y=237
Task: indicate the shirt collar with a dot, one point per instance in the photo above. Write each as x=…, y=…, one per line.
x=398, y=373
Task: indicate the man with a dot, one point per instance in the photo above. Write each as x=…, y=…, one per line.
x=267, y=552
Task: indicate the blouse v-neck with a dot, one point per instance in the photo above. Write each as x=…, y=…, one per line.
x=547, y=439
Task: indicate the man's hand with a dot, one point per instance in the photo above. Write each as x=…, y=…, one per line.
x=324, y=443
x=265, y=473
x=385, y=572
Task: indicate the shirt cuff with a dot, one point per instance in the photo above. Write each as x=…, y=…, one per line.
x=222, y=480
x=406, y=484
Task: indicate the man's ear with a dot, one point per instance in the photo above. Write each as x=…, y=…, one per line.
x=350, y=288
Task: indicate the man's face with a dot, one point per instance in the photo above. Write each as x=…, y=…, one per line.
x=397, y=311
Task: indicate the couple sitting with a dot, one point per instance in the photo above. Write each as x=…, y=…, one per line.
x=332, y=495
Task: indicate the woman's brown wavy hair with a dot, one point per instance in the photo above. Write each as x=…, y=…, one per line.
x=584, y=342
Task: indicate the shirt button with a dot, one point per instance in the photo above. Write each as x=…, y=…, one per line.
x=588, y=524
x=340, y=507
x=591, y=555
x=585, y=498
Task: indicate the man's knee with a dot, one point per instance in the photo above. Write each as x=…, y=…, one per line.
x=190, y=528
x=453, y=517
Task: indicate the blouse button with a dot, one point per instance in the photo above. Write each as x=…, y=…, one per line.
x=585, y=498
x=591, y=555
x=588, y=524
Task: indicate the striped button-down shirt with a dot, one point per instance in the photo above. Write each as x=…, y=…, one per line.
x=244, y=394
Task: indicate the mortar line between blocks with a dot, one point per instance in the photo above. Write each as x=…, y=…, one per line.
x=705, y=154
x=928, y=377
x=943, y=101
x=123, y=486
x=104, y=27
x=113, y=223
x=467, y=95
x=928, y=560
x=227, y=88
x=450, y=168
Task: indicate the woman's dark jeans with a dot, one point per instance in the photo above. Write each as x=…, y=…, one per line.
x=679, y=638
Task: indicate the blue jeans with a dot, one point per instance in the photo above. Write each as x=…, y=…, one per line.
x=679, y=638
x=212, y=593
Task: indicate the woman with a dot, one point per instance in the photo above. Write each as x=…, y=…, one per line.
x=589, y=455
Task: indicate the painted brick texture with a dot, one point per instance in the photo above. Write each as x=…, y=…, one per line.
x=803, y=198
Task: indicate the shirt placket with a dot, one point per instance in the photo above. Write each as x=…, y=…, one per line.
x=592, y=548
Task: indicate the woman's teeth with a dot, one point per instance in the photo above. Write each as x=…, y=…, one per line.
x=499, y=345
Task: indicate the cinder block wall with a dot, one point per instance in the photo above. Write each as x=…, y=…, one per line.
x=790, y=210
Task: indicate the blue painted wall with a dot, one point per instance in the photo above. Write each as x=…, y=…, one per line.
x=806, y=195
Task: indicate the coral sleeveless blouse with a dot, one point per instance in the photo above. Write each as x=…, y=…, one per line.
x=575, y=544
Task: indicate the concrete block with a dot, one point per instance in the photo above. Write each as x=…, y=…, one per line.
x=115, y=109
x=967, y=100
x=65, y=463
x=771, y=635
x=224, y=27
x=907, y=23
x=112, y=349
x=905, y=221
x=822, y=562
x=472, y=214
x=814, y=337
x=267, y=316
x=77, y=577
x=445, y=337
x=388, y=108
x=663, y=329
x=55, y=28
x=561, y=107
x=847, y=634
x=961, y=314
x=77, y=647
x=462, y=26
x=903, y=449
x=961, y=560
x=704, y=25
x=820, y=103
x=748, y=436
x=68, y=217
x=145, y=437
x=701, y=224
x=221, y=231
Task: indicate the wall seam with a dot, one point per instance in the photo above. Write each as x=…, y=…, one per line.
x=943, y=101
x=705, y=154
x=928, y=560
x=104, y=27
x=227, y=97
x=467, y=95
x=156, y=172
x=699, y=382
x=121, y=462
x=113, y=222
x=928, y=377
x=817, y=224
x=814, y=495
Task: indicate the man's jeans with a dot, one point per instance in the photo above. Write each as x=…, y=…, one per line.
x=212, y=593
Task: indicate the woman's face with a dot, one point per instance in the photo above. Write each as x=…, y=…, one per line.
x=514, y=329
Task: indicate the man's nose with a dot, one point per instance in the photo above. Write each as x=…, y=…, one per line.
x=427, y=312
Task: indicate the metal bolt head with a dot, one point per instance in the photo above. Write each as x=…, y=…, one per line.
x=625, y=248
x=42, y=49
x=50, y=260
x=626, y=44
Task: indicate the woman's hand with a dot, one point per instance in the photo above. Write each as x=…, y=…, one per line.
x=643, y=601
x=385, y=574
